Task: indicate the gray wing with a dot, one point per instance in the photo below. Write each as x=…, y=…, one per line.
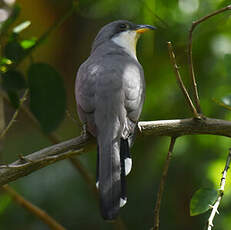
x=134, y=88
x=85, y=94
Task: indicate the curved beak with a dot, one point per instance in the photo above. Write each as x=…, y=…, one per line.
x=143, y=28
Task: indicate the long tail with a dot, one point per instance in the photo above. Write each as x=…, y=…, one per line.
x=109, y=177
x=113, y=165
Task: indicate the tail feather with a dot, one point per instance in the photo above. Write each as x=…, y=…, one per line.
x=110, y=176
x=109, y=179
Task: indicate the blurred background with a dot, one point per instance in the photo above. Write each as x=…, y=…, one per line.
x=197, y=160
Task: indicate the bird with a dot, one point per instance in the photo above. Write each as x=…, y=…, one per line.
x=110, y=92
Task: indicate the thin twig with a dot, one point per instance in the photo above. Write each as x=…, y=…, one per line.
x=221, y=192
x=162, y=183
x=43, y=216
x=190, y=59
x=3, y=133
x=180, y=82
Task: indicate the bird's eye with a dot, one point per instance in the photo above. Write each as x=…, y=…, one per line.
x=124, y=26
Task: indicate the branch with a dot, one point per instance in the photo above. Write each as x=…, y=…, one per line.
x=75, y=161
x=3, y=133
x=53, y=224
x=180, y=82
x=162, y=183
x=32, y=162
x=221, y=193
x=190, y=59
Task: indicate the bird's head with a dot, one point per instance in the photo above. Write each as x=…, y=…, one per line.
x=122, y=32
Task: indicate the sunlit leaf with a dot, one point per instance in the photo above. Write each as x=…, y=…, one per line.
x=19, y=28
x=28, y=43
x=47, y=95
x=5, y=61
x=13, y=80
x=4, y=202
x=201, y=200
x=13, y=51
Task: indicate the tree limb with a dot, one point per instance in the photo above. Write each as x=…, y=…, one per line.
x=49, y=155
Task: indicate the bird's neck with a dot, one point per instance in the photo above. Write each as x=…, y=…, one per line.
x=127, y=40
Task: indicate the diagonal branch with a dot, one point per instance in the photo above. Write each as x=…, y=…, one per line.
x=221, y=193
x=48, y=220
x=3, y=133
x=190, y=59
x=162, y=183
x=49, y=155
x=180, y=82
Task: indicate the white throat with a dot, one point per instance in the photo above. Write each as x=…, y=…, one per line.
x=127, y=40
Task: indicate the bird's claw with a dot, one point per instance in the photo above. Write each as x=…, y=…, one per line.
x=84, y=130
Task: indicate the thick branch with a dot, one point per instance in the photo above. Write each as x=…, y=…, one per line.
x=32, y=162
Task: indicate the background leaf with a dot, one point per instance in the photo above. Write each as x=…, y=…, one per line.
x=47, y=95
x=19, y=28
x=28, y=43
x=14, y=98
x=13, y=51
x=13, y=80
x=201, y=200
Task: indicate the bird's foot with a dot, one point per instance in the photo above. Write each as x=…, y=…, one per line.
x=84, y=131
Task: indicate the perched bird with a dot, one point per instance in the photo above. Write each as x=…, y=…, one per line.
x=110, y=91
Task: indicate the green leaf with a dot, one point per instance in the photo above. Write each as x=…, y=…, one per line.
x=28, y=43
x=5, y=61
x=13, y=51
x=19, y=28
x=47, y=95
x=13, y=80
x=201, y=200
x=4, y=202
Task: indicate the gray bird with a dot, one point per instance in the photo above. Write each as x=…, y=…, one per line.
x=110, y=91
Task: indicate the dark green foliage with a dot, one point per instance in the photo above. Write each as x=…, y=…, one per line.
x=47, y=95
x=13, y=80
x=14, y=98
x=13, y=50
x=201, y=201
